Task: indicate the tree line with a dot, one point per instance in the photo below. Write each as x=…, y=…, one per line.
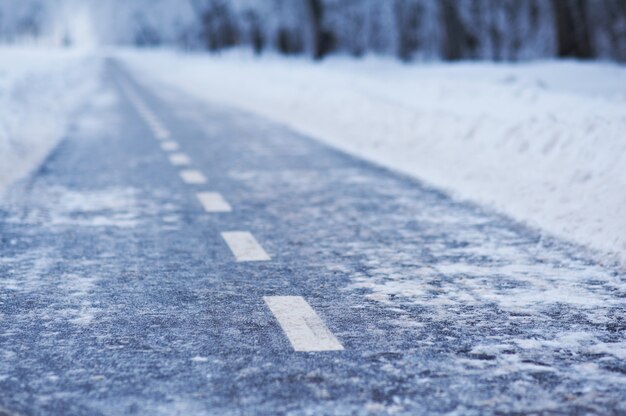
x=412, y=30
x=418, y=29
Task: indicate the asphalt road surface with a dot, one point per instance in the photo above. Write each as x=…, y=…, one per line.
x=178, y=258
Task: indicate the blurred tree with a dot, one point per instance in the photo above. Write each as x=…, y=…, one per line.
x=315, y=14
x=219, y=26
x=409, y=29
x=256, y=38
x=457, y=41
x=572, y=28
x=145, y=34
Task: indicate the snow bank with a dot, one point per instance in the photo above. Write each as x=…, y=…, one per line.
x=40, y=89
x=543, y=142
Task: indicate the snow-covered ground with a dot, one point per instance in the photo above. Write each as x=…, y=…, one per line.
x=542, y=142
x=40, y=90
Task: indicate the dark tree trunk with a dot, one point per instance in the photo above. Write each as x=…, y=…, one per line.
x=496, y=37
x=316, y=16
x=457, y=41
x=408, y=18
x=256, y=37
x=572, y=29
x=289, y=41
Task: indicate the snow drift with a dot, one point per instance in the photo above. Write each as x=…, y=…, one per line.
x=40, y=90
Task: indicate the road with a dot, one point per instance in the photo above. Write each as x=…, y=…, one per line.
x=176, y=257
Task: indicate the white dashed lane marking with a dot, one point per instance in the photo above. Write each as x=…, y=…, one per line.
x=179, y=159
x=213, y=202
x=159, y=130
x=244, y=246
x=161, y=133
x=304, y=328
x=193, y=177
x=169, y=146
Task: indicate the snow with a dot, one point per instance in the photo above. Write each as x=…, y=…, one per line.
x=40, y=90
x=108, y=207
x=542, y=142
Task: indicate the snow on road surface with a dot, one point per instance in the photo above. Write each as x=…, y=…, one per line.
x=376, y=294
x=40, y=90
x=543, y=142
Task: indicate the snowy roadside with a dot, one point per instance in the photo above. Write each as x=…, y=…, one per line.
x=543, y=142
x=40, y=90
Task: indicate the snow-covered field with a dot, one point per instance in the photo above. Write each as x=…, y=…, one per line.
x=542, y=142
x=40, y=90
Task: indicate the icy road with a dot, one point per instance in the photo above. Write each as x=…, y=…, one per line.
x=192, y=259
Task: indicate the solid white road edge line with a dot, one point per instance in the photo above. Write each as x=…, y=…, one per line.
x=179, y=159
x=213, y=202
x=193, y=177
x=244, y=246
x=304, y=328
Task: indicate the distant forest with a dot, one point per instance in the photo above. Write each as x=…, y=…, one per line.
x=421, y=29
x=412, y=30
